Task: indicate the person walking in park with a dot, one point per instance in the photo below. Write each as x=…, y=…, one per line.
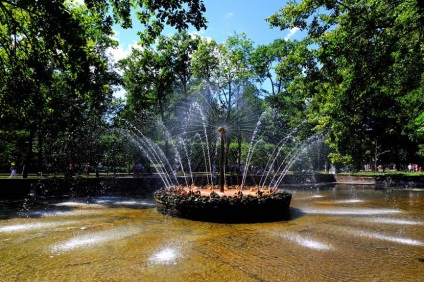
x=12, y=172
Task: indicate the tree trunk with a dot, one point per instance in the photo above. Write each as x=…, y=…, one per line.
x=40, y=151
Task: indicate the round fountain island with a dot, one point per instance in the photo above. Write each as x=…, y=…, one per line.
x=234, y=204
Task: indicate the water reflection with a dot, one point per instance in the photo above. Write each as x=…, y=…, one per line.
x=392, y=221
x=350, y=211
x=93, y=238
x=165, y=256
x=30, y=226
x=304, y=241
x=120, y=201
x=335, y=234
x=78, y=204
x=395, y=239
x=348, y=201
x=58, y=213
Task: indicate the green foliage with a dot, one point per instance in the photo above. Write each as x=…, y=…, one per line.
x=55, y=73
x=340, y=159
x=358, y=77
x=286, y=65
x=154, y=15
x=179, y=49
x=224, y=69
x=369, y=86
x=260, y=157
x=204, y=61
x=55, y=77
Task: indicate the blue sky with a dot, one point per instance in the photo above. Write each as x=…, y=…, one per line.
x=228, y=16
x=225, y=17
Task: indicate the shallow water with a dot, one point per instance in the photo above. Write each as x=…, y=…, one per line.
x=341, y=233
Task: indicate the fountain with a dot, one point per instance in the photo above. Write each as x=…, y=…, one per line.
x=215, y=200
x=121, y=237
x=111, y=236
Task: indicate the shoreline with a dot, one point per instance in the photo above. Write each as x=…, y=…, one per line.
x=18, y=188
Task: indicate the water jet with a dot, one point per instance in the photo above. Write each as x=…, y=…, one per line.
x=217, y=200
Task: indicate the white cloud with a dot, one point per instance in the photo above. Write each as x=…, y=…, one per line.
x=229, y=15
x=200, y=34
x=118, y=53
x=122, y=51
x=120, y=93
x=292, y=32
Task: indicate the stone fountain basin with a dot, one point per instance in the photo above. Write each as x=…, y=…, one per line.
x=224, y=207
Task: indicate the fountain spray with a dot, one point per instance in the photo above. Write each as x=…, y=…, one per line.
x=221, y=131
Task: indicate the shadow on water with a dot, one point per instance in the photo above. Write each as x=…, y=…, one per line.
x=248, y=217
x=20, y=209
x=296, y=213
x=37, y=208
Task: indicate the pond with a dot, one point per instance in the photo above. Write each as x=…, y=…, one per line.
x=337, y=233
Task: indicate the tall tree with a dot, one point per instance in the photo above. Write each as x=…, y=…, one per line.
x=284, y=66
x=370, y=81
x=148, y=79
x=52, y=57
x=265, y=60
x=179, y=48
x=204, y=64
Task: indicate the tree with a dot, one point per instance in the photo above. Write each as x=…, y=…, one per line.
x=285, y=64
x=53, y=63
x=154, y=15
x=204, y=64
x=265, y=61
x=179, y=48
x=148, y=79
x=369, y=86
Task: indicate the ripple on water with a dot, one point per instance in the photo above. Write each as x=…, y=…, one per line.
x=107, y=199
x=134, y=203
x=348, y=201
x=45, y=213
x=349, y=211
x=305, y=241
x=394, y=239
x=122, y=201
x=78, y=204
x=31, y=226
x=92, y=239
x=391, y=221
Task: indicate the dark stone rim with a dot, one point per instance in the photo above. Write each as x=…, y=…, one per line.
x=231, y=209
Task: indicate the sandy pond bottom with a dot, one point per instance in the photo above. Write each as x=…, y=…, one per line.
x=341, y=233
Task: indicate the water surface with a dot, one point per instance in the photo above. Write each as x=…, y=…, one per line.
x=338, y=233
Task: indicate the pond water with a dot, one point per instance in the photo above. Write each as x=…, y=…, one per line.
x=337, y=233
